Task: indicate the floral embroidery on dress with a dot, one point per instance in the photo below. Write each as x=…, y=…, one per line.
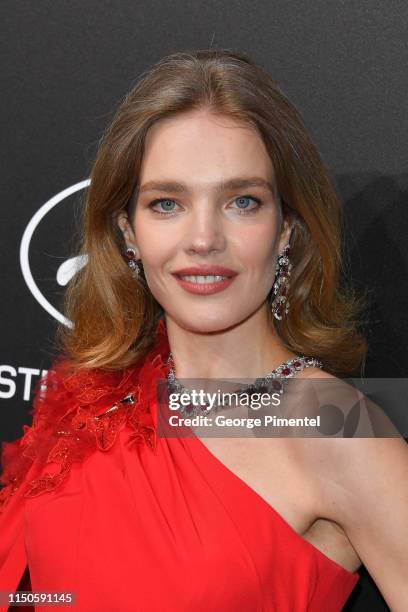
x=76, y=413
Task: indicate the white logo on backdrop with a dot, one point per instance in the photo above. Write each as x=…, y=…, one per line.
x=11, y=379
x=66, y=270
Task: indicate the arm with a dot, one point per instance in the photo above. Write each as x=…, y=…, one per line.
x=364, y=488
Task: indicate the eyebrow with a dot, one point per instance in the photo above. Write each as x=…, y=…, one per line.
x=234, y=183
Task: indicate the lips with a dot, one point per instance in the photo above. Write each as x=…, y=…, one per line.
x=193, y=279
x=206, y=270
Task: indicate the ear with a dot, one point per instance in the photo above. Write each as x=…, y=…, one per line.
x=285, y=235
x=127, y=231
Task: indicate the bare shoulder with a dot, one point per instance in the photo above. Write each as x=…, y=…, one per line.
x=336, y=451
x=345, y=451
x=359, y=482
x=357, y=469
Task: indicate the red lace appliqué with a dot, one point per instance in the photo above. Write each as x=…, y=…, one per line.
x=76, y=413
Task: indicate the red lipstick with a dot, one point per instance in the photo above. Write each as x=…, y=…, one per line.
x=205, y=288
x=206, y=270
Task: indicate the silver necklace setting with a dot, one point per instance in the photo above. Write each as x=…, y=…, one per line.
x=273, y=382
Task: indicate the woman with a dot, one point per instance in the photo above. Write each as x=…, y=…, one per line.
x=212, y=235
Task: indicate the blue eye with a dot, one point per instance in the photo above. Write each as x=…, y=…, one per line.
x=166, y=204
x=243, y=203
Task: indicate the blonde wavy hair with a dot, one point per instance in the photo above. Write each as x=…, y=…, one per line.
x=114, y=315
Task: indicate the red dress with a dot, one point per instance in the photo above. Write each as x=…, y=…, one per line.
x=127, y=520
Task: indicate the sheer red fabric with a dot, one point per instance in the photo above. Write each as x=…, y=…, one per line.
x=95, y=503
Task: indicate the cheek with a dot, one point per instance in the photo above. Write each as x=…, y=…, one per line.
x=256, y=250
x=155, y=252
x=150, y=241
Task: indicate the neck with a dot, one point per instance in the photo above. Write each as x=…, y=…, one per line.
x=250, y=349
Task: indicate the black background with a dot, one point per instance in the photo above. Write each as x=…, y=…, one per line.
x=66, y=67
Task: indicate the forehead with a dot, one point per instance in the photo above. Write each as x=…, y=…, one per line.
x=201, y=147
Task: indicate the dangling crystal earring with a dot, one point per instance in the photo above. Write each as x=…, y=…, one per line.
x=280, y=304
x=130, y=258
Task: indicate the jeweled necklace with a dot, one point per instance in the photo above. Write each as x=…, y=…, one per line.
x=285, y=371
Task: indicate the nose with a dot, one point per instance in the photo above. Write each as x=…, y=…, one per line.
x=205, y=232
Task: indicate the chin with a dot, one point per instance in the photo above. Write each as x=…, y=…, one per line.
x=206, y=324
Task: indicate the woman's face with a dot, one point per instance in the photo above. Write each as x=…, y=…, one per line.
x=207, y=197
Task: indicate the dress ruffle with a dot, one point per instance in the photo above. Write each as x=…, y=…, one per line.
x=77, y=412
